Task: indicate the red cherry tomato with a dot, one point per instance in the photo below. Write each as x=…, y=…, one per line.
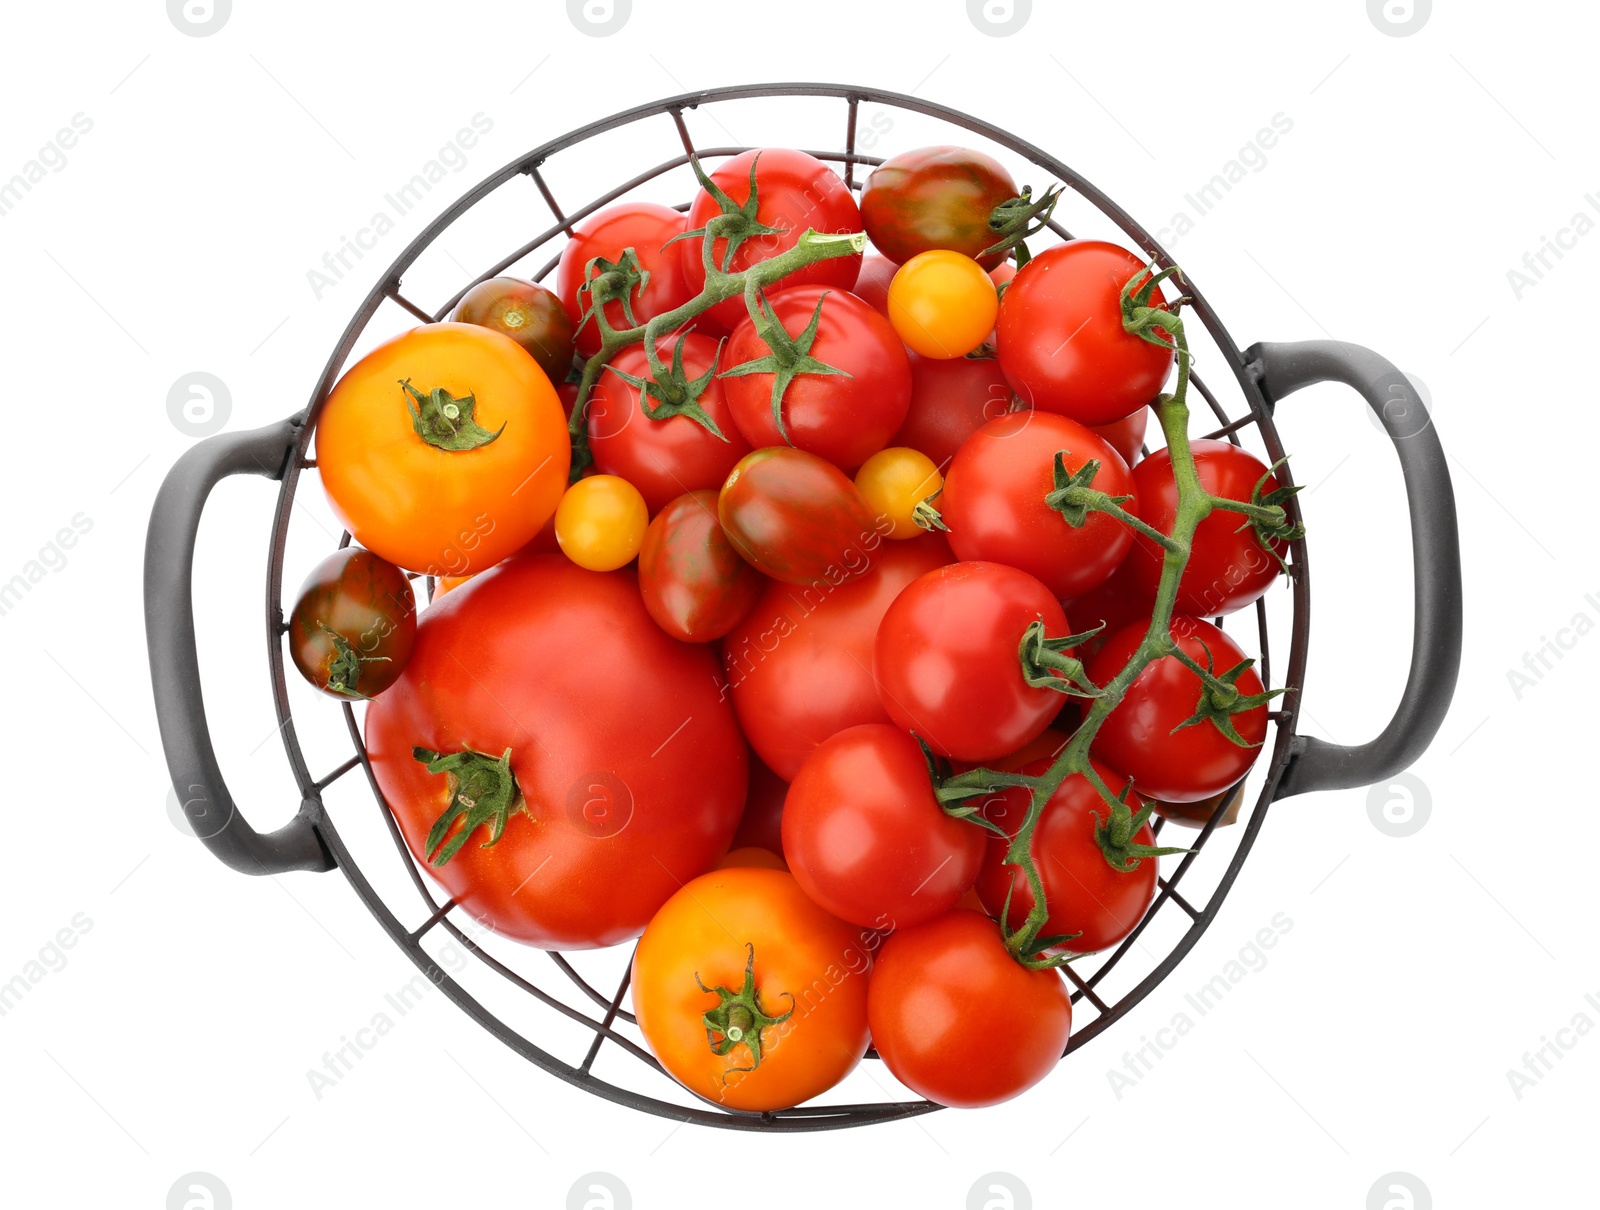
x=872, y=284
x=947, y=661
x=951, y=400
x=1084, y=893
x=957, y=1020
x=994, y=501
x=643, y=226
x=1228, y=567
x=762, y=824
x=865, y=836
x=935, y=198
x=795, y=192
x=1126, y=436
x=1138, y=737
x=799, y=666
x=1112, y=606
x=797, y=518
x=667, y=457
x=1061, y=340
x=845, y=418
x=693, y=582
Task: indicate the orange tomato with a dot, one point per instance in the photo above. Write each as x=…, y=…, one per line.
x=484, y=479
x=741, y=962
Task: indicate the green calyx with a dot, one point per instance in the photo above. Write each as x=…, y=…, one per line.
x=1220, y=698
x=790, y=356
x=611, y=281
x=738, y=1019
x=445, y=422
x=1115, y=835
x=735, y=223
x=1046, y=664
x=1271, y=522
x=483, y=790
x=1013, y=221
x=344, y=670
x=1074, y=495
x=926, y=515
x=1152, y=324
x=669, y=391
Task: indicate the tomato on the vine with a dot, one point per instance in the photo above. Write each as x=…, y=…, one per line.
x=694, y=583
x=894, y=483
x=935, y=198
x=942, y=304
x=646, y=228
x=353, y=624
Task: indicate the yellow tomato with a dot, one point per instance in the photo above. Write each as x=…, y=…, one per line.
x=893, y=482
x=943, y=304
x=600, y=522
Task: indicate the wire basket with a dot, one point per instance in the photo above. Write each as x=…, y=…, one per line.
x=560, y=1012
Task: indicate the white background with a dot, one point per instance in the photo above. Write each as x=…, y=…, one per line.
x=177, y=237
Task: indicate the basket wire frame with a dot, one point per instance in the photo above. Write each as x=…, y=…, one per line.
x=607, y=1011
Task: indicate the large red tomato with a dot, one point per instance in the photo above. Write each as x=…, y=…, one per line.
x=799, y=666
x=1061, y=340
x=629, y=770
x=1228, y=567
x=951, y=398
x=845, y=417
x=667, y=457
x=794, y=192
x=1139, y=736
x=994, y=501
x=643, y=226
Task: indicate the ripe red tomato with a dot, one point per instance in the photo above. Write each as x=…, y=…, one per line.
x=799, y=666
x=994, y=501
x=872, y=284
x=865, y=836
x=950, y=400
x=629, y=769
x=1084, y=893
x=846, y=417
x=667, y=457
x=795, y=192
x=643, y=226
x=947, y=664
x=761, y=826
x=693, y=582
x=1061, y=340
x=935, y=197
x=957, y=1020
x=1228, y=567
x=797, y=518
x=1126, y=436
x=1112, y=605
x=1138, y=737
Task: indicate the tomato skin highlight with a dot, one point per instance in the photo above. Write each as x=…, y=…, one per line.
x=643, y=226
x=795, y=192
x=947, y=665
x=369, y=603
x=662, y=458
x=1084, y=894
x=797, y=518
x=566, y=669
x=1061, y=341
x=803, y=958
x=867, y=839
x=935, y=198
x=994, y=501
x=693, y=582
x=845, y=418
x=1228, y=567
x=951, y=400
x=529, y=314
x=957, y=1020
x=799, y=666
x=1137, y=737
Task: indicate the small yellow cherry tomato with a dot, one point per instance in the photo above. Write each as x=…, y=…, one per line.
x=942, y=304
x=893, y=482
x=600, y=522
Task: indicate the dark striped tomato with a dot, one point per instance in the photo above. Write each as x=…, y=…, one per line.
x=797, y=518
x=693, y=582
x=935, y=197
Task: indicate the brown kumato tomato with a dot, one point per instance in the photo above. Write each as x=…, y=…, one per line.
x=797, y=518
x=353, y=623
x=529, y=314
x=694, y=583
x=932, y=198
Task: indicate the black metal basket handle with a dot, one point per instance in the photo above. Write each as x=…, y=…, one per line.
x=175, y=664
x=1282, y=369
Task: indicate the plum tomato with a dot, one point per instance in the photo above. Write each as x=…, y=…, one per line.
x=942, y=304
x=799, y=666
x=646, y=228
x=1144, y=736
x=935, y=198
x=675, y=453
x=694, y=583
x=1228, y=566
x=352, y=626
x=844, y=415
x=894, y=482
x=528, y=313
x=601, y=522
x=794, y=192
x=951, y=400
x=994, y=501
x=947, y=659
x=1060, y=336
x=865, y=836
x=960, y=1021
x=797, y=518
